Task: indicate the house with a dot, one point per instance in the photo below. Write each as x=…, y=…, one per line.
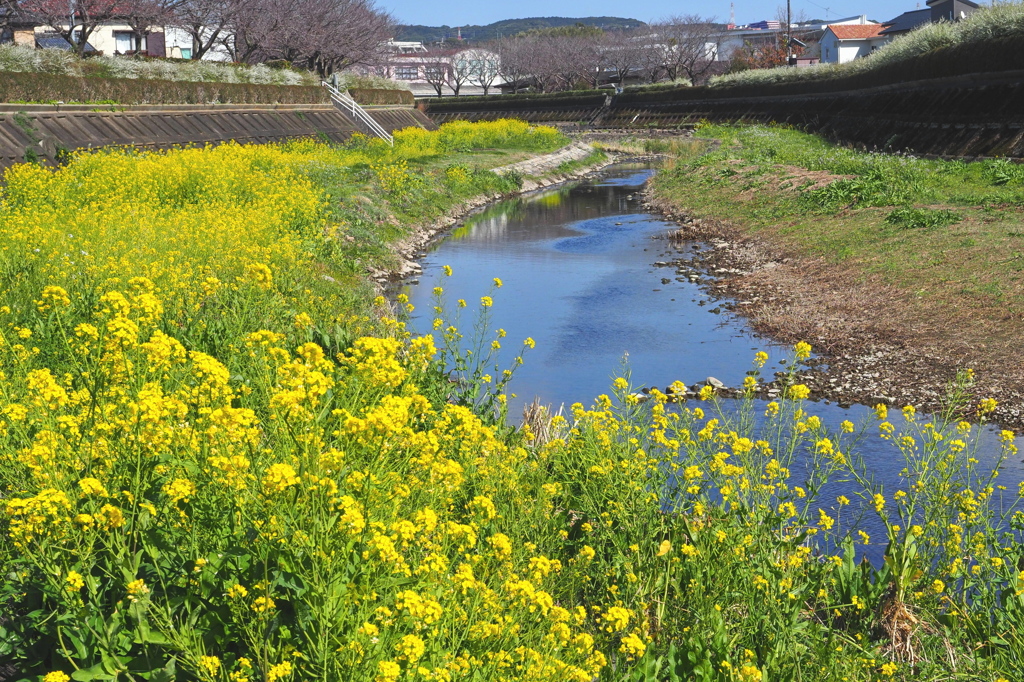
x=109, y=37
x=455, y=71
x=907, y=22
x=736, y=38
x=15, y=30
x=841, y=44
x=937, y=10
x=951, y=10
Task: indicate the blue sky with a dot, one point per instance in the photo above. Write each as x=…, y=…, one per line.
x=456, y=12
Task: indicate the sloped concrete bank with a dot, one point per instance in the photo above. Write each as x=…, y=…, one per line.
x=541, y=172
x=47, y=133
x=967, y=116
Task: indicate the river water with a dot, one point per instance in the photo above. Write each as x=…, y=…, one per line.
x=578, y=269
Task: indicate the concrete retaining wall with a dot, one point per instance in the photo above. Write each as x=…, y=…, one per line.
x=973, y=115
x=396, y=118
x=47, y=132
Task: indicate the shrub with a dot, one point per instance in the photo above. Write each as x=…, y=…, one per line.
x=381, y=96
x=37, y=87
x=17, y=58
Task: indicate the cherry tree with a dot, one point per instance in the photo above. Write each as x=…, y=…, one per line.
x=73, y=20
x=689, y=45
x=322, y=35
x=205, y=21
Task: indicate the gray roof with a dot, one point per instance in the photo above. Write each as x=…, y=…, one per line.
x=908, y=21
x=52, y=41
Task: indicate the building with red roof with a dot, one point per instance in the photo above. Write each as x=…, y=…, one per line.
x=844, y=43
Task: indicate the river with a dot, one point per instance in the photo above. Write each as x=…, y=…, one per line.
x=578, y=272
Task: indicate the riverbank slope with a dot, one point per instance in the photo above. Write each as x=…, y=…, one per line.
x=899, y=270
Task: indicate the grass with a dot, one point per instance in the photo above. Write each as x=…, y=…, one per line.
x=567, y=167
x=865, y=210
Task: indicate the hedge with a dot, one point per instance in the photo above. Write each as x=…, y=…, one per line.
x=42, y=87
x=572, y=98
x=379, y=96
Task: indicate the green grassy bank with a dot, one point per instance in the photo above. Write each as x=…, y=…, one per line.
x=943, y=236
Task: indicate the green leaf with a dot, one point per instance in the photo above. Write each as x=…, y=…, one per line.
x=146, y=636
x=96, y=672
x=81, y=652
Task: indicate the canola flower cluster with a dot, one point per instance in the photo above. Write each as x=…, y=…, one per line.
x=197, y=482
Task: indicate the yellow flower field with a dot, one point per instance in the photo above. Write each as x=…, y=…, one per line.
x=213, y=468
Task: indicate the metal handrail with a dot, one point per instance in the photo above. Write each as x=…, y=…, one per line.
x=345, y=102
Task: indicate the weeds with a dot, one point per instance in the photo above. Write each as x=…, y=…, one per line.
x=920, y=218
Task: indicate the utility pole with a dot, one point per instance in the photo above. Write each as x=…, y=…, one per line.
x=71, y=26
x=789, y=31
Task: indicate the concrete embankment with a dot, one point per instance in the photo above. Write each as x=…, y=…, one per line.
x=48, y=132
x=964, y=116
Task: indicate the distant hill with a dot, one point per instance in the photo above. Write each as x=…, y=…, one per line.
x=435, y=34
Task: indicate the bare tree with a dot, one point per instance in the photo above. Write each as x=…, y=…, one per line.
x=357, y=34
x=485, y=69
x=143, y=15
x=436, y=69
x=73, y=20
x=513, y=65
x=322, y=35
x=651, y=64
x=9, y=13
x=690, y=46
x=461, y=71
x=623, y=53
x=205, y=21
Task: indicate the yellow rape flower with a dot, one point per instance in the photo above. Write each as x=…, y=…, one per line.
x=52, y=298
x=279, y=671
x=616, y=618
x=279, y=477
x=137, y=589
x=632, y=646
x=209, y=665
x=75, y=581
x=260, y=275
x=410, y=648
x=92, y=486
x=180, y=490
x=263, y=604
x=387, y=671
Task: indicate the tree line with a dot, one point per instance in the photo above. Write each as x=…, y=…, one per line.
x=567, y=58
x=321, y=35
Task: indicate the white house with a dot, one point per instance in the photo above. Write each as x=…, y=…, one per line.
x=735, y=38
x=841, y=44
